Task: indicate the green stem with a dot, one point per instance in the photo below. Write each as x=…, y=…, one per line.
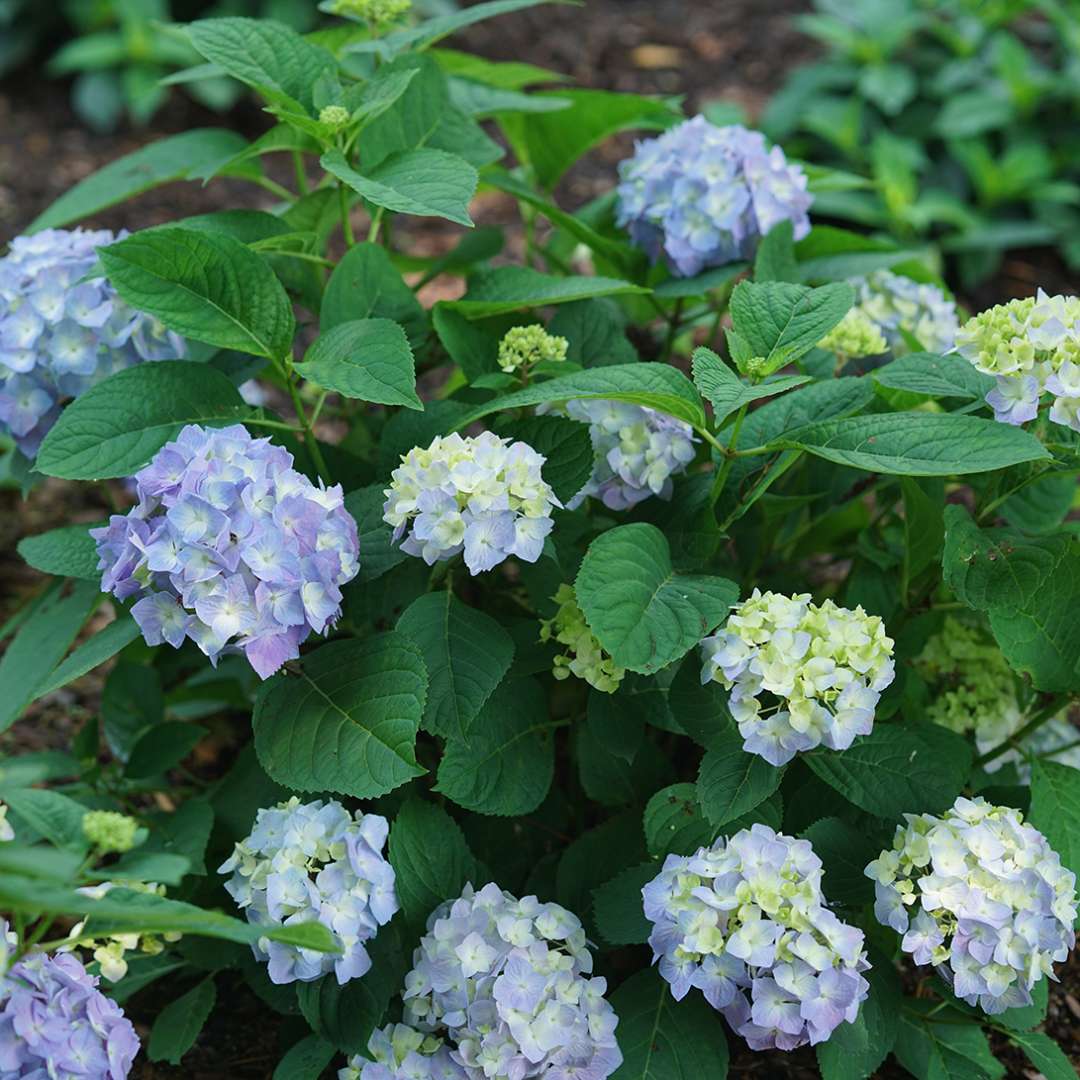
x=729, y=460
x=346, y=224
x=1047, y=712
x=376, y=222
x=318, y=407
x=306, y=257
x=272, y=186
x=995, y=503
x=672, y=331
x=1051, y=754
x=275, y=425
x=301, y=174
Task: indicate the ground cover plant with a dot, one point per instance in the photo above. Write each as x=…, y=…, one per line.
x=659, y=652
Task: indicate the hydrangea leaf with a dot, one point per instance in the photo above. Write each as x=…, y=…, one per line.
x=415, y=117
x=368, y=359
x=617, y=906
x=161, y=747
x=566, y=446
x=206, y=286
x=104, y=645
x=178, y=1024
x=613, y=781
x=306, y=1059
x=943, y=1047
x=662, y=1039
x=1055, y=809
x=674, y=821
x=732, y=782
x=775, y=258
x=680, y=288
x=726, y=392
x=505, y=763
x=595, y=857
x=466, y=654
x=935, y=376
x=1045, y=1054
x=69, y=551
x=431, y=31
x=844, y=850
x=644, y=614
x=56, y=817
x=346, y=721
x=378, y=552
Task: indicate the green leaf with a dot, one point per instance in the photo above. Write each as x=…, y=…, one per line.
x=510, y=288
x=184, y=832
x=466, y=654
x=781, y=322
x=936, y=376
x=103, y=646
x=775, y=259
x=1045, y=1054
x=674, y=821
x=732, y=782
x=347, y=720
x=892, y=771
x=69, y=551
x=617, y=906
x=369, y=359
x=612, y=780
x=726, y=392
x=55, y=816
x=116, y=427
x=1055, y=809
x=845, y=852
x=179, y=1023
x=206, y=286
x=644, y=614
x=924, y=524
x=943, y=1047
x=700, y=285
x=504, y=764
x=177, y=157
x=131, y=702
x=161, y=747
x=917, y=444
x=378, y=552
x=424, y=182
x=595, y=331
x=433, y=30
x=662, y=1039
x=413, y=120
x=305, y=1059
x=38, y=646
x=566, y=447
x=430, y=857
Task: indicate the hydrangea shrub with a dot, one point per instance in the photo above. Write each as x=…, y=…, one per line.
x=515, y=684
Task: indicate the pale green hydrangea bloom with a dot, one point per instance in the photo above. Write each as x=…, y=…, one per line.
x=334, y=116
x=378, y=12
x=523, y=347
x=905, y=309
x=584, y=656
x=109, y=831
x=855, y=336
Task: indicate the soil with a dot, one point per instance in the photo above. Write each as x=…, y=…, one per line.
x=706, y=50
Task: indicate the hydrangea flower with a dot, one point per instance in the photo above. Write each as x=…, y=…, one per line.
x=637, y=451
x=744, y=921
x=1031, y=347
x=6, y=831
x=231, y=547
x=705, y=195
x=523, y=347
x=824, y=666
x=109, y=831
x=500, y=987
x=982, y=897
x=482, y=495
x=584, y=656
x=377, y=12
x=59, y=335
x=54, y=1022
x=308, y=862
x=900, y=306
x=854, y=336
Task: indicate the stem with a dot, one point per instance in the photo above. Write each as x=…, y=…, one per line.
x=301, y=174
x=272, y=186
x=275, y=425
x=1047, y=712
x=376, y=222
x=1050, y=754
x=672, y=331
x=725, y=468
x=309, y=434
x=346, y=224
x=318, y=407
x=995, y=503
x=306, y=257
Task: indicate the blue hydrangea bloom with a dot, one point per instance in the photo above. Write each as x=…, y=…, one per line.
x=314, y=861
x=59, y=334
x=979, y=894
x=54, y=1022
x=745, y=922
x=705, y=195
x=231, y=547
x=500, y=987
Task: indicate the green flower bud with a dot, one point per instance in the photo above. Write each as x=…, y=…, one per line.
x=855, y=335
x=527, y=346
x=378, y=12
x=109, y=831
x=334, y=116
x=584, y=656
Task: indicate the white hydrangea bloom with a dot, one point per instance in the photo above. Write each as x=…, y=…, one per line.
x=823, y=665
x=900, y=306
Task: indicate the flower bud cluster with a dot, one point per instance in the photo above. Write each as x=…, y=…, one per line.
x=584, y=656
x=523, y=347
x=231, y=547
x=54, y=1022
x=854, y=336
x=503, y=985
x=1031, y=347
x=705, y=195
x=744, y=921
x=378, y=12
x=482, y=495
x=109, y=831
x=60, y=334
x=902, y=308
x=308, y=862
x=824, y=665
x=982, y=897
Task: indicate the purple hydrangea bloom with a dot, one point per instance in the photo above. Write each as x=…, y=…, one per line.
x=745, y=922
x=500, y=987
x=705, y=195
x=231, y=547
x=979, y=894
x=54, y=1022
x=59, y=334
x=314, y=861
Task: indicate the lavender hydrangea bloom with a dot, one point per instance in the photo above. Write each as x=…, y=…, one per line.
x=981, y=896
x=59, y=334
x=500, y=987
x=705, y=195
x=744, y=922
x=231, y=547
x=904, y=309
x=482, y=495
x=314, y=861
x=54, y=1022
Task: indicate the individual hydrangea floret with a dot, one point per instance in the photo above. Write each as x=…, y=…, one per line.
x=745, y=922
x=1031, y=347
x=308, y=862
x=503, y=986
x=54, y=1022
x=705, y=195
x=823, y=666
x=482, y=495
x=109, y=831
x=230, y=546
x=637, y=451
x=6, y=831
x=855, y=336
x=980, y=895
x=904, y=309
x=584, y=656
x=59, y=334
x=399, y=1052
x=523, y=347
